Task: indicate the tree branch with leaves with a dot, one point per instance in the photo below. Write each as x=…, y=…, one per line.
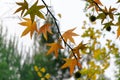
x=76, y=54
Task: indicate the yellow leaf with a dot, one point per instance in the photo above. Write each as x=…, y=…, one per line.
x=43, y=70
x=71, y=63
x=84, y=71
x=42, y=79
x=36, y=68
x=68, y=35
x=39, y=74
x=94, y=77
x=31, y=27
x=97, y=53
x=47, y=76
x=54, y=48
x=106, y=65
x=44, y=29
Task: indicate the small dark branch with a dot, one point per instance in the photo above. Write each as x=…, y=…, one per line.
x=100, y=8
x=59, y=29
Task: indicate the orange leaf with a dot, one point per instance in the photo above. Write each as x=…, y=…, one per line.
x=71, y=63
x=112, y=9
x=44, y=29
x=98, y=2
x=54, y=48
x=76, y=50
x=31, y=27
x=118, y=32
x=68, y=35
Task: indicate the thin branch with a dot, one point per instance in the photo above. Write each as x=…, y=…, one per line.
x=59, y=30
x=100, y=8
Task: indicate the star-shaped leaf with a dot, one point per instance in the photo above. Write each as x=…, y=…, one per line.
x=68, y=35
x=44, y=29
x=108, y=24
x=110, y=12
x=101, y=16
x=54, y=48
x=71, y=63
x=31, y=27
x=94, y=3
x=23, y=7
x=35, y=10
x=77, y=49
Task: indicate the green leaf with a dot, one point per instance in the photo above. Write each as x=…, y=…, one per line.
x=108, y=24
x=101, y=16
x=24, y=6
x=34, y=10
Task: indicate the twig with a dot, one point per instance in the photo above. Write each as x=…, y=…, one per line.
x=100, y=8
x=59, y=30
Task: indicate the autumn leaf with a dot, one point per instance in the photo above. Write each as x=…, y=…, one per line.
x=108, y=24
x=34, y=10
x=54, y=48
x=71, y=63
x=109, y=12
x=68, y=35
x=94, y=3
x=118, y=32
x=77, y=49
x=31, y=27
x=106, y=65
x=101, y=16
x=98, y=2
x=23, y=7
x=97, y=53
x=44, y=29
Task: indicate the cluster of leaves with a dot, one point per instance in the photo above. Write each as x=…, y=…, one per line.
x=96, y=56
x=77, y=54
x=40, y=72
x=9, y=57
x=56, y=46
x=106, y=14
x=117, y=62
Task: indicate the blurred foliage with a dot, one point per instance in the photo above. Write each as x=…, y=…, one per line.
x=9, y=58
